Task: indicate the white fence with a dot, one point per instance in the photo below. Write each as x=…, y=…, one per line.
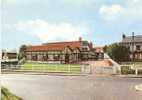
x=82, y=69
x=135, y=67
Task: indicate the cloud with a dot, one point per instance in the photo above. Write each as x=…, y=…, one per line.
x=79, y=2
x=11, y=2
x=133, y=1
x=46, y=31
x=110, y=12
x=133, y=10
x=130, y=12
x=65, y=2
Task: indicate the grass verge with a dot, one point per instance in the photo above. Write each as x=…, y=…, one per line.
x=7, y=95
x=64, y=68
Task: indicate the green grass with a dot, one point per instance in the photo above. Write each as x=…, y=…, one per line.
x=7, y=95
x=65, y=68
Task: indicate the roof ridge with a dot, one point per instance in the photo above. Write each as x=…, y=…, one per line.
x=60, y=42
x=134, y=36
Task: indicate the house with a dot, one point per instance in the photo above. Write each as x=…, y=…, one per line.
x=134, y=43
x=60, y=52
x=9, y=58
x=99, y=52
x=9, y=55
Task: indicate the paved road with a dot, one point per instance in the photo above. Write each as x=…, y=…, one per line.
x=40, y=87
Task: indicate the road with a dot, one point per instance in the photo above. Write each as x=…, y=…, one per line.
x=45, y=87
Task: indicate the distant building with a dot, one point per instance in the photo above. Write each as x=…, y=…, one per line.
x=134, y=43
x=9, y=55
x=61, y=52
x=8, y=58
x=99, y=52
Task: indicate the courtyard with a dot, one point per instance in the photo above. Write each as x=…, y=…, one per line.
x=90, y=87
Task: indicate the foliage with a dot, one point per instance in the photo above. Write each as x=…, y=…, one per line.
x=7, y=95
x=105, y=48
x=118, y=52
x=22, y=54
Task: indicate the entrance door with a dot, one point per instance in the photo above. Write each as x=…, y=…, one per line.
x=67, y=58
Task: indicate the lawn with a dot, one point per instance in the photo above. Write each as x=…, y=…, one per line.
x=66, y=68
x=7, y=95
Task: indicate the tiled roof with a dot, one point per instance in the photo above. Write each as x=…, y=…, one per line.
x=57, y=46
x=103, y=63
x=137, y=38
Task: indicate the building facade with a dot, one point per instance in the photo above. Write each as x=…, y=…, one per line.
x=134, y=43
x=9, y=58
x=61, y=52
x=9, y=55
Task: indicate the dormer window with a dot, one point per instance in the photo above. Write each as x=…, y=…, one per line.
x=84, y=49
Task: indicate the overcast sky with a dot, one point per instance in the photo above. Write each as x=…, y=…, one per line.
x=39, y=21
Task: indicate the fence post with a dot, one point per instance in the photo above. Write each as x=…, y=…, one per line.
x=69, y=70
x=32, y=68
x=90, y=69
x=56, y=68
x=82, y=68
x=136, y=71
x=43, y=69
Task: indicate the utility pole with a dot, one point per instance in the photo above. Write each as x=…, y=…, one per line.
x=133, y=52
x=133, y=36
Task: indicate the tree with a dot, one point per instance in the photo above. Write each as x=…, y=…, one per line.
x=22, y=52
x=105, y=48
x=118, y=52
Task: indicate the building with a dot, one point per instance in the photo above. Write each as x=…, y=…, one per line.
x=61, y=52
x=9, y=55
x=9, y=58
x=99, y=52
x=134, y=43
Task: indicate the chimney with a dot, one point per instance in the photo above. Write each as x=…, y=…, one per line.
x=123, y=36
x=91, y=45
x=80, y=38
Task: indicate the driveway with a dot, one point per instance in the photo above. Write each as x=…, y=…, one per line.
x=44, y=87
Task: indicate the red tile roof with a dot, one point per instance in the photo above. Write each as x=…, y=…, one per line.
x=103, y=63
x=57, y=46
x=99, y=49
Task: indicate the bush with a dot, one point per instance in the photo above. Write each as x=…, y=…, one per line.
x=117, y=52
x=127, y=70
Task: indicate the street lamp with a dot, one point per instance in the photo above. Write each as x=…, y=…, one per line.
x=133, y=46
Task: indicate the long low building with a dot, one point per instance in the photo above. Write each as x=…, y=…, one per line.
x=61, y=52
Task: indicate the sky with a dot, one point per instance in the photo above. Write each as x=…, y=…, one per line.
x=33, y=22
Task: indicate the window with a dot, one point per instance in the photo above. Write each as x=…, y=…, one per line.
x=84, y=49
x=138, y=47
x=56, y=57
x=128, y=47
x=45, y=57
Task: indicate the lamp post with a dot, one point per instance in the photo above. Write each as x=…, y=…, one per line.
x=133, y=47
